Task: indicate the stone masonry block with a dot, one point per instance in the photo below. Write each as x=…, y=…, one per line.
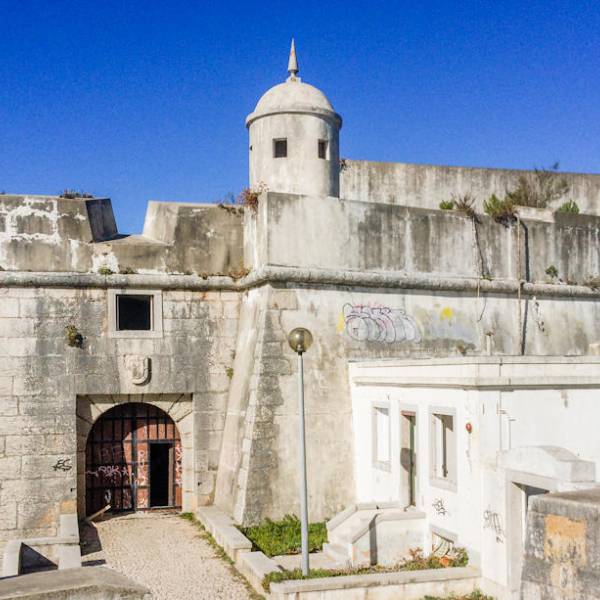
x=9, y=308
x=6, y=387
x=24, y=491
x=36, y=515
x=8, y=406
x=283, y=300
x=10, y=468
x=8, y=515
x=231, y=310
x=16, y=328
x=48, y=466
x=18, y=346
x=10, y=425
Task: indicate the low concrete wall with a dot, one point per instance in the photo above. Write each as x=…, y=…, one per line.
x=562, y=548
x=87, y=583
x=389, y=539
x=408, y=585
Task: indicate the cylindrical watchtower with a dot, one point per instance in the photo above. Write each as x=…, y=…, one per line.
x=294, y=139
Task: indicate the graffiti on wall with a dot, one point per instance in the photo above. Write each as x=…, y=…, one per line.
x=491, y=520
x=381, y=324
x=439, y=507
x=63, y=464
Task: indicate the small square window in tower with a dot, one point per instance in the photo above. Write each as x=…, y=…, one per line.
x=322, y=149
x=134, y=313
x=280, y=148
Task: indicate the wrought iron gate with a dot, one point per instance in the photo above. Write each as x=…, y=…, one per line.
x=117, y=463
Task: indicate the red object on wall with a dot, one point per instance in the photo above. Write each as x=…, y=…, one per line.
x=469, y=427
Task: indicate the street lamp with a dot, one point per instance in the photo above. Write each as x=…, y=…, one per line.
x=300, y=340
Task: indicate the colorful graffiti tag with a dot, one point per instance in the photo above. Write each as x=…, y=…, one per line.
x=379, y=324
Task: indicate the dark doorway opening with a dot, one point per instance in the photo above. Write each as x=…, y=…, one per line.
x=118, y=457
x=160, y=474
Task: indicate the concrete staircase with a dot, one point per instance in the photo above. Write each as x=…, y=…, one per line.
x=31, y=554
x=374, y=533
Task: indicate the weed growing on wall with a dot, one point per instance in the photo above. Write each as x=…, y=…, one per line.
x=446, y=205
x=464, y=203
x=501, y=210
x=552, y=271
x=569, y=207
x=73, y=194
x=74, y=338
x=248, y=197
x=476, y=595
x=538, y=188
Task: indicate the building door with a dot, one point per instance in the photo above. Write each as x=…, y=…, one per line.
x=519, y=496
x=408, y=459
x=161, y=473
x=133, y=460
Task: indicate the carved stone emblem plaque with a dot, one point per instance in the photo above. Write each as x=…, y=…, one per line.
x=139, y=368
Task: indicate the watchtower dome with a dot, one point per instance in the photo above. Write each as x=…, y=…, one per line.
x=294, y=139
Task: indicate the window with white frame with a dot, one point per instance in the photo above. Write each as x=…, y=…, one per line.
x=443, y=447
x=381, y=436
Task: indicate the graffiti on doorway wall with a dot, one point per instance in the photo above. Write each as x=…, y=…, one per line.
x=491, y=520
x=375, y=323
x=63, y=464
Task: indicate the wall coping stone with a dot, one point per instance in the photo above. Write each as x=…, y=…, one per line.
x=292, y=275
x=373, y=580
x=481, y=382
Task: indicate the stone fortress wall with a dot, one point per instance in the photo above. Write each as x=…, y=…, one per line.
x=369, y=279
x=427, y=185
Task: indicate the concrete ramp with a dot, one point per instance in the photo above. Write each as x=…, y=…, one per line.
x=85, y=583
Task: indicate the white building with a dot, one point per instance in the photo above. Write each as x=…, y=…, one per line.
x=463, y=443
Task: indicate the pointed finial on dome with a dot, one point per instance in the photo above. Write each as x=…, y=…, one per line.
x=293, y=63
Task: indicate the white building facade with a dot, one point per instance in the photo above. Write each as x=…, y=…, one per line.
x=464, y=443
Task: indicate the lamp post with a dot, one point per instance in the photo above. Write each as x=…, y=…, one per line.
x=300, y=340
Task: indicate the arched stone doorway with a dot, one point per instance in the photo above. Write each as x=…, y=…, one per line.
x=133, y=460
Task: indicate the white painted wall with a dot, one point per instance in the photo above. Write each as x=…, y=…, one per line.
x=510, y=403
x=301, y=171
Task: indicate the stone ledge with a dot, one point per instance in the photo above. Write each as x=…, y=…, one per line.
x=480, y=382
x=223, y=530
x=254, y=566
x=98, y=583
x=429, y=581
x=290, y=275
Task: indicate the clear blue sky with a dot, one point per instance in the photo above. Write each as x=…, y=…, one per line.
x=147, y=100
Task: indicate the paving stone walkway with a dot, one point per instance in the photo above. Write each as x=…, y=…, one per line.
x=165, y=553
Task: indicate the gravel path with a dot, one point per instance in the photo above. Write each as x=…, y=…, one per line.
x=166, y=554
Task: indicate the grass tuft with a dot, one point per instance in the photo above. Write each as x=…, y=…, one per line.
x=283, y=537
x=476, y=595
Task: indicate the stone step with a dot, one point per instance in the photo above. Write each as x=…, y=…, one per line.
x=343, y=532
x=337, y=553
